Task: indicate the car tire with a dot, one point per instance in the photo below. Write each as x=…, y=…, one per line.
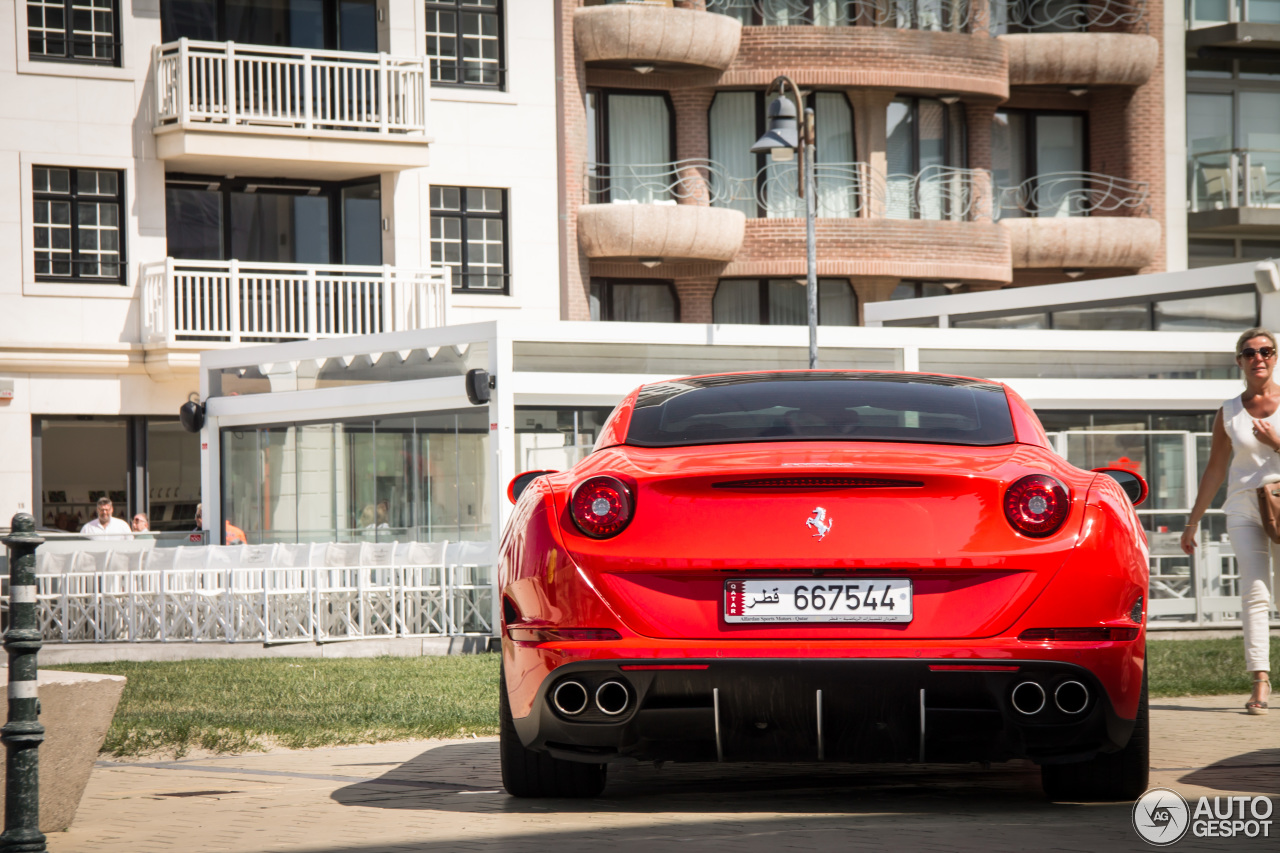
x=1111, y=776
x=527, y=773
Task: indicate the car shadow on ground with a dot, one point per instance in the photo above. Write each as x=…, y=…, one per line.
x=466, y=777
x=1251, y=771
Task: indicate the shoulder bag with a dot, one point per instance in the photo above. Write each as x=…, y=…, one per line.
x=1269, y=509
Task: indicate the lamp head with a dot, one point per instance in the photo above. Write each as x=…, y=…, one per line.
x=782, y=136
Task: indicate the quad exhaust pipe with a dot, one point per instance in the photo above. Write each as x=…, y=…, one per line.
x=1070, y=697
x=572, y=698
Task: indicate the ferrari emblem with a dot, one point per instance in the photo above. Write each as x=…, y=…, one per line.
x=820, y=523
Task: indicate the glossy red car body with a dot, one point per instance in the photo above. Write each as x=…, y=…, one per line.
x=936, y=688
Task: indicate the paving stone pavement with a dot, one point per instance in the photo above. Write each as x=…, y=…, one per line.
x=446, y=795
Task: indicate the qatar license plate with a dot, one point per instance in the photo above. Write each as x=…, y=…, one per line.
x=818, y=600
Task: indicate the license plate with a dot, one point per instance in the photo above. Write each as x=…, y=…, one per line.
x=818, y=600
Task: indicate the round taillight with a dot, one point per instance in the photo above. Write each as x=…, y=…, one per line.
x=1037, y=505
x=601, y=506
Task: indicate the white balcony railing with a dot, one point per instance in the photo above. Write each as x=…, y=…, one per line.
x=226, y=83
x=241, y=301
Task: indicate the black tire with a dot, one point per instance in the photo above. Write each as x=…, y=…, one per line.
x=1111, y=776
x=526, y=773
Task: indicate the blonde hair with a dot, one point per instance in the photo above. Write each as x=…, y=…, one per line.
x=1255, y=332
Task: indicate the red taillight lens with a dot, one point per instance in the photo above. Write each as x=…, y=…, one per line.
x=1079, y=635
x=553, y=635
x=601, y=506
x=1037, y=505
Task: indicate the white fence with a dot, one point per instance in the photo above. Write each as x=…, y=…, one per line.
x=266, y=593
x=229, y=83
x=239, y=301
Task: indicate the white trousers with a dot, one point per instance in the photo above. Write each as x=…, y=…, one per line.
x=1253, y=556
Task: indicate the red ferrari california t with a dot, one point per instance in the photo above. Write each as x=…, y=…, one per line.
x=824, y=566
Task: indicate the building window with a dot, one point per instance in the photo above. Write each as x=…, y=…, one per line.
x=1211, y=13
x=273, y=221
x=1232, y=131
x=921, y=289
x=1206, y=251
x=634, y=301
x=1038, y=163
x=77, y=224
x=469, y=235
x=926, y=150
x=332, y=24
x=760, y=186
x=73, y=31
x=783, y=302
x=464, y=43
x=630, y=147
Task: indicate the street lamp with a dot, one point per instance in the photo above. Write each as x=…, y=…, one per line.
x=782, y=140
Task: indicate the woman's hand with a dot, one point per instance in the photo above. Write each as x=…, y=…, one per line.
x=1188, y=541
x=1265, y=434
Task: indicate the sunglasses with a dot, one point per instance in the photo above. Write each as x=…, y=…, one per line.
x=1250, y=352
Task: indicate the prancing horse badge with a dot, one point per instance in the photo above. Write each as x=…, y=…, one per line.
x=820, y=523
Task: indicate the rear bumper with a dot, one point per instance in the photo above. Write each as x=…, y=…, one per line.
x=869, y=710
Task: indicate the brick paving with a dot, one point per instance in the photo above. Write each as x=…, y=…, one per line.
x=447, y=796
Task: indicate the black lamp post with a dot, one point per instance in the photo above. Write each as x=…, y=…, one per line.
x=784, y=138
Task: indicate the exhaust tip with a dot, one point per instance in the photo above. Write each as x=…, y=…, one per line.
x=612, y=698
x=570, y=698
x=1071, y=697
x=1028, y=698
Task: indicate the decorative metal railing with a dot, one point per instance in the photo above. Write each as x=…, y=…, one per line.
x=844, y=190
x=1071, y=194
x=1033, y=16
x=237, y=301
x=235, y=84
x=936, y=15
x=1234, y=177
x=264, y=593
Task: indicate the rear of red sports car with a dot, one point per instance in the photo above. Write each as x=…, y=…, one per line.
x=824, y=566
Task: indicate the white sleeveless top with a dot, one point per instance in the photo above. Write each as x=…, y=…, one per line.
x=1253, y=464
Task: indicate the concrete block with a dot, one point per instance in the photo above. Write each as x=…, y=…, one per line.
x=76, y=709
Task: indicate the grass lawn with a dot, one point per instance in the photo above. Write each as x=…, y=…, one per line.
x=238, y=705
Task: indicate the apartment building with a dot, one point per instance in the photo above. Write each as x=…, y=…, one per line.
x=1232, y=130
x=961, y=145
x=185, y=175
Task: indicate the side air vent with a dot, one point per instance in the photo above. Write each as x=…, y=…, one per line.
x=819, y=483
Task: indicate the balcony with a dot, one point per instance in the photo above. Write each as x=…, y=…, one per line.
x=955, y=16
x=1234, y=190
x=1217, y=24
x=237, y=302
x=1052, y=43
x=1079, y=220
x=228, y=108
x=649, y=37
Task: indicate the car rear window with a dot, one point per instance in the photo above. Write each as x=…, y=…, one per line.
x=821, y=407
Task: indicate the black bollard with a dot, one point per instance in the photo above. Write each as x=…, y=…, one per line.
x=23, y=734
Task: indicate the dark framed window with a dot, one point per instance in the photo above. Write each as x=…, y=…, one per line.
x=276, y=220
x=1038, y=161
x=315, y=24
x=464, y=43
x=469, y=235
x=926, y=148
x=737, y=119
x=783, y=302
x=74, y=31
x=631, y=144
x=634, y=301
x=921, y=289
x=76, y=214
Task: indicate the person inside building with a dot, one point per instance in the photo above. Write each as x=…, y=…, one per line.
x=1246, y=454
x=104, y=526
x=235, y=536
x=140, y=523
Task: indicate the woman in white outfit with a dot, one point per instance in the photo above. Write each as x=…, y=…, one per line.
x=1246, y=438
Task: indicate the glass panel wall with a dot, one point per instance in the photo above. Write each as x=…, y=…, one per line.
x=420, y=477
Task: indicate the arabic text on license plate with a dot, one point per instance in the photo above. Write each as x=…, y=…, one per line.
x=818, y=600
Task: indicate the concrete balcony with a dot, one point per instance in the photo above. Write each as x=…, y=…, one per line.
x=650, y=36
x=228, y=108
x=194, y=305
x=1080, y=59
x=1078, y=220
x=1234, y=191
